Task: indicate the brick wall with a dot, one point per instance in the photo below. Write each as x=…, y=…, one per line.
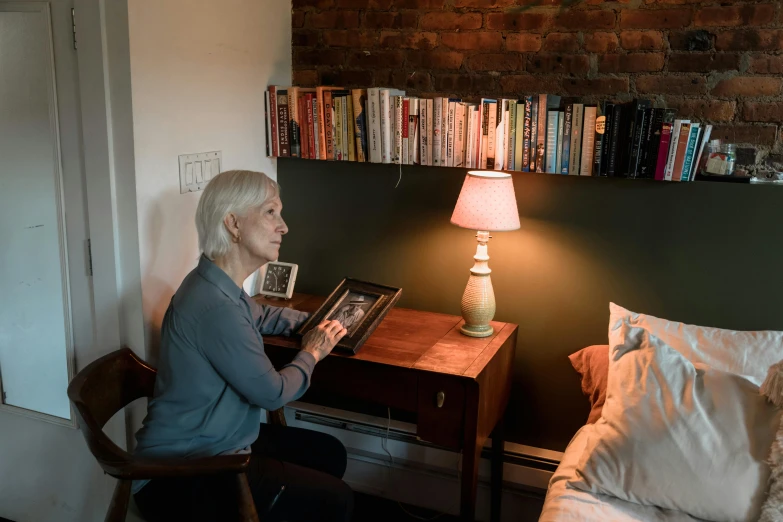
x=717, y=61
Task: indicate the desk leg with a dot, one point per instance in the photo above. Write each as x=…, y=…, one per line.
x=498, y=438
x=471, y=456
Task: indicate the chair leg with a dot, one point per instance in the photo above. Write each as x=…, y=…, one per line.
x=119, y=502
x=276, y=417
x=247, y=508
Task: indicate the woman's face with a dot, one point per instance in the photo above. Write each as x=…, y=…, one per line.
x=262, y=231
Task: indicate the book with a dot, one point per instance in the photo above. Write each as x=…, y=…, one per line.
x=607, y=141
x=704, y=139
x=444, y=132
x=519, y=145
x=565, y=162
x=459, y=135
x=690, y=151
x=527, y=134
x=500, y=134
x=316, y=126
x=663, y=150
x=534, y=113
x=268, y=122
x=400, y=155
x=613, y=161
x=675, y=141
x=437, y=130
x=551, y=141
x=304, y=126
x=337, y=126
x=273, y=120
x=430, y=115
x=512, y=135
x=327, y=149
x=560, y=140
x=360, y=124
x=282, y=123
x=329, y=124
x=633, y=134
x=598, y=139
x=387, y=139
x=654, y=121
x=470, y=136
x=413, y=131
x=484, y=134
x=491, y=134
x=350, y=126
x=541, y=133
x=374, y=116
x=681, y=149
x=294, y=136
x=450, y=134
x=423, y=142
x=660, y=116
x=577, y=123
x=588, y=141
x=642, y=123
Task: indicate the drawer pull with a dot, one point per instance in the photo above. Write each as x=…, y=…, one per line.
x=441, y=397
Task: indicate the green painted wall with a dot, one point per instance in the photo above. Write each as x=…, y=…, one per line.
x=704, y=253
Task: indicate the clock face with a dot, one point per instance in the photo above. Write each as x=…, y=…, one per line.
x=277, y=278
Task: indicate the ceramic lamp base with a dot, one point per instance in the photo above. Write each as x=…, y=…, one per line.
x=478, y=301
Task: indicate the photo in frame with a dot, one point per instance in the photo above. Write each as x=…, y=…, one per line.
x=359, y=306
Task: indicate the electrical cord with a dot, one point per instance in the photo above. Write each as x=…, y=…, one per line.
x=384, y=446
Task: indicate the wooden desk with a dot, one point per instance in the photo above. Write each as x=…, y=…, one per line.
x=410, y=359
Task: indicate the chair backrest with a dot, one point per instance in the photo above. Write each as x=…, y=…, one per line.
x=102, y=389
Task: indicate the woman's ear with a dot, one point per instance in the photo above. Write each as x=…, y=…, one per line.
x=231, y=222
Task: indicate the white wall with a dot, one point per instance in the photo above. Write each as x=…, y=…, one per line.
x=198, y=72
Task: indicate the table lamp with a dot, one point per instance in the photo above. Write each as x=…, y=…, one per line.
x=487, y=204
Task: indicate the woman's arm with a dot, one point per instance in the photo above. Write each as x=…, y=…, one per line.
x=273, y=320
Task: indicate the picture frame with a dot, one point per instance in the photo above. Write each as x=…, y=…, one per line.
x=360, y=306
x=277, y=279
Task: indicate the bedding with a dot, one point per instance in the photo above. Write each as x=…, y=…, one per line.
x=592, y=364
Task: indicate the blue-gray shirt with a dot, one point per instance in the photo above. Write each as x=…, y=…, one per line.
x=213, y=375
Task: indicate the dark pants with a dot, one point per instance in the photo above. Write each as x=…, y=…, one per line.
x=309, y=464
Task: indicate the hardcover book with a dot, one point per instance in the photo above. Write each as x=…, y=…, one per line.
x=567, y=132
x=534, y=113
x=273, y=119
x=519, y=146
x=374, y=118
x=360, y=124
x=588, y=141
x=606, y=146
x=560, y=140
x=437, y=133
x=491, y=134
x=512, y=135
x=282, y=122
x=598, y=139
x=613, y=163
x=663, y=150
x=577, y=125
x=413, y=132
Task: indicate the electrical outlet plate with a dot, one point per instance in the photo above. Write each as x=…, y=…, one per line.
x=196, y=170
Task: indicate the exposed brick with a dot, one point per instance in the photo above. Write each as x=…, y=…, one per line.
x=362, y=78
x=766, y=64
x=577, y=20
x=364, y=4
x=350, y=38
x=316, y=4
x=483, y=4
x=398, y=40
x=559, y=63
x=465, y=83
x=561, y=42
x=761, y=111
x=305, y=38
x=739, y=15
x=655, y=18
x=333, y=20
x=380, y=20
x=496, y=62
x=597, y=86
x=641, y=40
x=419, y=4
x=631, y=63
x=518, y=21
x=750, y=40
x=693, y=62
x=376, y=59
x=400, y=79
x=313, y=57
x=480, y=41
x=753, y=134
x=435, y=59
x=297, y=19
x=700, y=40
x=748, y=86
x=601, y=42
x=448, y=21
x=671, y=84
x=523, y=42
x=711, y=110
x=530, y=84
x=305, y=78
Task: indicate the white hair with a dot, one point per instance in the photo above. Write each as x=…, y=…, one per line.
x=232, y=191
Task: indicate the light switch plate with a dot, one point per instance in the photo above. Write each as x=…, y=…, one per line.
x=196, y=170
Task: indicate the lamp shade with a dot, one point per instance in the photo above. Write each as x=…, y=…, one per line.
x=487, y=202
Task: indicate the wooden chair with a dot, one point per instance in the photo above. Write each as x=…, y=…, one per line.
x=105, y=387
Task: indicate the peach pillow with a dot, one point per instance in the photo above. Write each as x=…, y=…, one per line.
x=592, y=364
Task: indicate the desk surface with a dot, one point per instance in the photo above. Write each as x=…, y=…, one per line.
x=414, y=339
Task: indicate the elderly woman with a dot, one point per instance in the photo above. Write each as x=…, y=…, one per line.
x=214, y=377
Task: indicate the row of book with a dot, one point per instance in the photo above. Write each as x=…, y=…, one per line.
x=537, y=133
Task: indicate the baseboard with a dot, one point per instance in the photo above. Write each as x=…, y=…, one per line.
x=403, y=468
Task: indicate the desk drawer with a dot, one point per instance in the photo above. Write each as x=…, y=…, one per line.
x=441, y=410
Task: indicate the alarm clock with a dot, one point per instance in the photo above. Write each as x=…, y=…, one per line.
x=278, y=279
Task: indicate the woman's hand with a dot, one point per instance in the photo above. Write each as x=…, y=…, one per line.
x=320, y=341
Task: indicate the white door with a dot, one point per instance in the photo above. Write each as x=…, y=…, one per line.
x=45, y=294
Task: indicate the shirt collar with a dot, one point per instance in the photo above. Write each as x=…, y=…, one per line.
x=215, y=275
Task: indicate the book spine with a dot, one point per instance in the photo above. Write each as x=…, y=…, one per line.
x=534, y=114
x=423, y=132
x=663, y=151
x=268, y=125
x=491, y=135
x=551, y=141
x=512, y=135
x=430, y=115
x=315, y=129
x=598, y=139
x=690, y=151
x=640, y=128
x=646, y=143
x=437, y=131
x=560, y=140
x=329, y=125
x=401, y=112
x=682, y=147
x=576, y=140
x=413, y=132
x=274, y=120
x=606, y=148
x=374, y=114
x=615, y=137
x=588, y=142
x=450, y=136
x=500, y=137
x=294, y=136
x=305, y=126
x=337, y=120
x=541, y=133
x=349, y=127
x=444, y=132
x=484, y=138
x=282, y=122
x=519, y=145
x=360, y=126
x=567, y=134
x=528, y=134
x=469, y=137
x=705, y=138
x=459, y=135
x=386, y=127
x=675, y=141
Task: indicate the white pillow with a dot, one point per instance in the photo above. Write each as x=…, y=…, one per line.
x=749, y=354
x=678, y=435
